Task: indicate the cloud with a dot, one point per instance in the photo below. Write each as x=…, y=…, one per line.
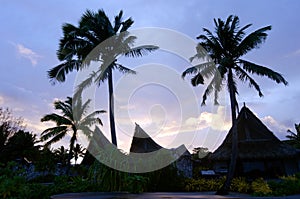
x=216, y=121
x=276, y=127
x=1, y=100
x=294, y=53
x=206, y=120
x=27, y=54
x=37, y=126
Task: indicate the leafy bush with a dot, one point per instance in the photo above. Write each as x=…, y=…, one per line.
x=240, y=185
x=165, y=179
x=287, y=185
x=260, y=187
x=9, y=187
x=43, y=178
x=202, y=184
x=136, y=184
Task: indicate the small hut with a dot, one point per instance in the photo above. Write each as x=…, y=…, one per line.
x=143, y=143
x=260, y=152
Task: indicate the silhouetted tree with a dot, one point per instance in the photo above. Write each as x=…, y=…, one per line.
x=9, y=125
x=15, y=141
x=19, y=146
x=226, y=48
x=61, y=155
x=73, y=118
x=78, y=152
x=294, y=138
x=79, y=41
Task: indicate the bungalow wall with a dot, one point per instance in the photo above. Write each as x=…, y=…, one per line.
x=260, y=168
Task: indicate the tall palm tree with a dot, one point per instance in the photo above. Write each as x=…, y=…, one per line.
x=226, y=48
x=78, y=41
x=294, y=138
x=72, y=119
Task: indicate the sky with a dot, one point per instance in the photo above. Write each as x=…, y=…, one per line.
x=171, y=115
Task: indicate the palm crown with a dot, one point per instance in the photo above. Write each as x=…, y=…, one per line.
x=73, y=117
x=226, y=47
x=78, y=47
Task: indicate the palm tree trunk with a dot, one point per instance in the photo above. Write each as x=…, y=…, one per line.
x=111, y=108
x=72, y=141
x=234, y=150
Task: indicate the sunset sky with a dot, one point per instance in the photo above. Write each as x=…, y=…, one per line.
x=31, y=31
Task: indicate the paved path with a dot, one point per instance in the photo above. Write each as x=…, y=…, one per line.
x=160, y=195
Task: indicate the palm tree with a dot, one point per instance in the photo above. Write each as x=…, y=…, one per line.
x=226, y=48
x=77, y=43
x=72, y=119
x=61, y=155
x=78, y=152
x=294, y=138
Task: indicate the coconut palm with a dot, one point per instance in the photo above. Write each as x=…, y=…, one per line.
x=226, y=65
x=78, y=42
x=72, y=119
x=294, y=138
x=78, y=152
x=61, y=155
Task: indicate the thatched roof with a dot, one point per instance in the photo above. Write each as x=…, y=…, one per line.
x=255, y=141
x=142, y=142
x=97, y=141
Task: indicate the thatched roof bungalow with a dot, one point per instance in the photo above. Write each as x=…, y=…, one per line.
x=260, y=152
x=143, y=143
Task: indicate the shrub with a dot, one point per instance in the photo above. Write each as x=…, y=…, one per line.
x=260, y=187
x=165, y=179
x=136, y=184
x=202, y=184
x=287, y=185
x=240, y=185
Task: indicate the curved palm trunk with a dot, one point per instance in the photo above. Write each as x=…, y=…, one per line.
x=111, y=108
x=72, y=142
x=234, y=150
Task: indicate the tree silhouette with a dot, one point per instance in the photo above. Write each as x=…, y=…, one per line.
x=226, y=48
x=72, y=119
x=78, y=152
x=294, y=138
x=61, y=155
x=78, y=42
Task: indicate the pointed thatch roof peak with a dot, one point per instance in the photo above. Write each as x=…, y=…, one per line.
x=250, y=128
x=255, y=141
x=142, y=142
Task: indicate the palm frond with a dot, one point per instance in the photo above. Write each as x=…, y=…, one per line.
x=126, y=24
x=141, y=51
x=201, y=54
x=262, y=71
x=243, y=76
x=124, y=69
x=59, y=120
x=65, y=107
x=253, y=40
x=241, y=33
x=204, y=68
x=197, y=79
x=86, y=83
x=207, y=92
x=118, y=21
x=56, y=138
x=59, y=72
x=50, y=132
